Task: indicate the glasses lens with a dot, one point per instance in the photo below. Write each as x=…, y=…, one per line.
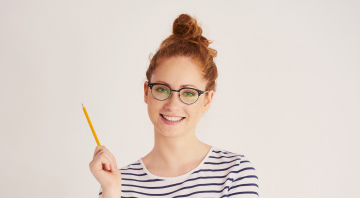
x=160, y=92
x=189, y=96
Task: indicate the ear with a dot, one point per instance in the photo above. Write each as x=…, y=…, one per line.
x=208, y=100
x=146, y=91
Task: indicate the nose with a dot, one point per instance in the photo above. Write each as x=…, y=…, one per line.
x=174, y=97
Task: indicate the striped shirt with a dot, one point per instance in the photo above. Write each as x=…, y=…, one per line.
x=220, y=174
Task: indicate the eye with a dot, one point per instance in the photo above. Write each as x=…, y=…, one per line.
x=162, y=90
x=189, y=94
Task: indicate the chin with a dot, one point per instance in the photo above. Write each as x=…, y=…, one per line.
x=169, y=133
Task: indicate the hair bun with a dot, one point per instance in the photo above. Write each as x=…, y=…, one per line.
x=186, y=27
x=187, y=40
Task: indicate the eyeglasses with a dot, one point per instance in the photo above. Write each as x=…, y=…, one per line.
x=187, y=95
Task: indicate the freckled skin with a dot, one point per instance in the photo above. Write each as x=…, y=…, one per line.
x=177, y=71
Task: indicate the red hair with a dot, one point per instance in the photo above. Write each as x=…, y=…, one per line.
x=187, y=40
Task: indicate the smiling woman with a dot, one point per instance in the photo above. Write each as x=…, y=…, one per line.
x=180, y=86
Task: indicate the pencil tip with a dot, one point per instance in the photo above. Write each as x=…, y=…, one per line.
x=82, y=104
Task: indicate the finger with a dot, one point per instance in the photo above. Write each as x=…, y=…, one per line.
x=99, y=163
x=101, y=160
x=109, y=157
x=113, y=157
x=105, y=158
x=103, y=163
x=97, y=150
x=115, y=167
x=109, y=167
x=108, y=153
x=105, y=153
x=105, y=167
x=98, y=154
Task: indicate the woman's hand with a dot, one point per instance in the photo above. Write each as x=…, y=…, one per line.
x=104, y=168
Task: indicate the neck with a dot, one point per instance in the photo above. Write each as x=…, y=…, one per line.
x=175, y=152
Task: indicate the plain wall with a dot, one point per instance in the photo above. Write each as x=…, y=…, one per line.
x=287, y=94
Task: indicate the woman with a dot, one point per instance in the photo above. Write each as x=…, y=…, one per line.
x=180, y=87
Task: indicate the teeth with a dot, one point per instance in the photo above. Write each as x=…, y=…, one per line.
x=172, y=118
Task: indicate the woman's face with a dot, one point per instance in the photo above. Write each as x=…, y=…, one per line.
x=177, y=71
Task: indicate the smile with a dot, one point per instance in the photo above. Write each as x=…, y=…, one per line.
x=171, y=120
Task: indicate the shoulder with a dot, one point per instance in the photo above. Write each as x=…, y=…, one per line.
x=244, y=176
x=224, y=154
x=135, y=163
x=242, y=161
x=135, y=166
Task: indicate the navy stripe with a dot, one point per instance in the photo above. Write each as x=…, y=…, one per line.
x=137, y=180
x=186, y=195
x=137, y=163
x=248, y=168
x=222, y=152
x=133, y=169
x=223, y=156
x=197, y=178
x=245, y=192
x=240, y=185
x=215, y=170
x=248, y=176
x=172, y=185
x=221, y=162
x=207, y=191
x=142, y=174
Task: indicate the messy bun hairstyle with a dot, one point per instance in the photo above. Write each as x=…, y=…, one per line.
x=187, y=40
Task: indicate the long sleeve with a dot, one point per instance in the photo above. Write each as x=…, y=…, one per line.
x=245, y=183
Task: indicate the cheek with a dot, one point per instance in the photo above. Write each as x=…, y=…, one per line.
x=154, y=106
x=151, y=106
x=196, y=111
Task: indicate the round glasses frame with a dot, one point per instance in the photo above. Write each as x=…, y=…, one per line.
x=171, y=90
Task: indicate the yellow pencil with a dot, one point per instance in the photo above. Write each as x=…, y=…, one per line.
x=91, y=126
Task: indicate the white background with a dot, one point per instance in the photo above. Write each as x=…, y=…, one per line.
x=287, y=94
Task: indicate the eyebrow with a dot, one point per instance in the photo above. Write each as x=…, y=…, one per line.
x=187, y=85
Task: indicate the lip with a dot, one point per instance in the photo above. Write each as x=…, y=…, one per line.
x=171, y=122
x=172, y=116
